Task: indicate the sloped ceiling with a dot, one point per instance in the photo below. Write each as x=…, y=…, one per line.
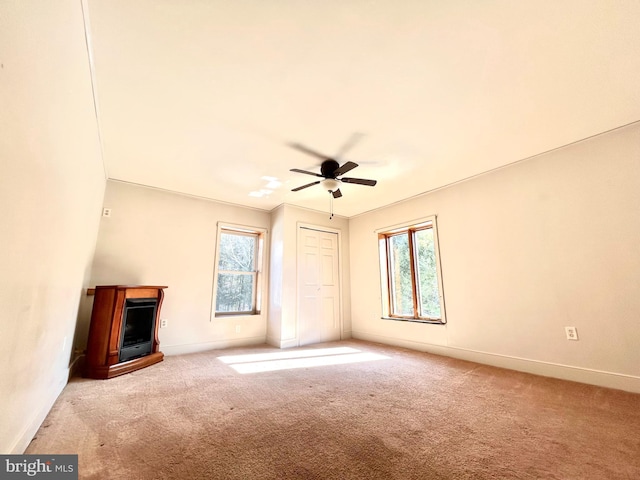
x=202, y=96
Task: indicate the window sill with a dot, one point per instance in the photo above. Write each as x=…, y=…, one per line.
x=415, y=320
x=236, y=314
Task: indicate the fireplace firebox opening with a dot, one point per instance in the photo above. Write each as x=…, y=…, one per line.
x=138, y=320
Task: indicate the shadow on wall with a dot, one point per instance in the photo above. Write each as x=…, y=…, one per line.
x=83, y=320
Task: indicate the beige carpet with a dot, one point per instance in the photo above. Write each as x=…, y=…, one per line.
x=372, y=412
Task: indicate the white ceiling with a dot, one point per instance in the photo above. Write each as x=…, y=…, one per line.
x=202, y=96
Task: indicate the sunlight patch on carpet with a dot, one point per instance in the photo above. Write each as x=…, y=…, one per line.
x=319, y=357
x=312, y=352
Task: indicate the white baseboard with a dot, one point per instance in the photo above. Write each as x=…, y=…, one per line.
x=169, y=350
x=23, y=440
x=290, y=343
x=600, y=378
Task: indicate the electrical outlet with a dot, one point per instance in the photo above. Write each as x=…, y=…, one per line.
x=163, y=323
x=237, y=328
x=572, y=333
x=106, y=212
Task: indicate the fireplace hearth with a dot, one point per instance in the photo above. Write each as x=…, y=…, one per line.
x=123, y=335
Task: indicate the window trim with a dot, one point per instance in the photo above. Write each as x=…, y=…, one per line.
x=257, y=273
x=384, y=252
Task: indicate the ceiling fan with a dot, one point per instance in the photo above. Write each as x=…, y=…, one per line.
x=330, y=171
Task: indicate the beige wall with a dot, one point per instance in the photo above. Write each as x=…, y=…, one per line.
x=155, y=237
x=525, y=251
x=51, y=188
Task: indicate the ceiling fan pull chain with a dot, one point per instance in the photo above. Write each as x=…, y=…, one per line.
x=330, y=204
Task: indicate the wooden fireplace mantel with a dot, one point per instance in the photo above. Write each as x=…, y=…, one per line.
x=106, y=330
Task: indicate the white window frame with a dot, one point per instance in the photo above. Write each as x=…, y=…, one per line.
x=260, y=234
x=383, y=235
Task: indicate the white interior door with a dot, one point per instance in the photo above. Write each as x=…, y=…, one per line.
x=318, y=286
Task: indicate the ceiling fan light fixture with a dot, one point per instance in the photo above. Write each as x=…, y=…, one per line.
x=330, y=184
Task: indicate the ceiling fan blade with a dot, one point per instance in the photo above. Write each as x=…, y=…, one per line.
x=336, y=193
x=359, y=181
x=308, y=151
x=305, y=186
x=349, y=144
x=345, y=168
x=297, y=170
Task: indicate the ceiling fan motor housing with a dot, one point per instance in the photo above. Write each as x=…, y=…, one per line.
x=328, y=168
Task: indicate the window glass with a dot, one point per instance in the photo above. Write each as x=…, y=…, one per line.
x=427, y=284
x=235, y=293
x=400, y=275
x=237, y=252
x=237, y=280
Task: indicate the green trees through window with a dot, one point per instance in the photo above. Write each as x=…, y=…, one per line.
x=400, y=278
x=410, y=273
x=429, y=294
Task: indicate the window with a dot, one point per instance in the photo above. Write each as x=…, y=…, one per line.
x=237, y=282
x=410, y=273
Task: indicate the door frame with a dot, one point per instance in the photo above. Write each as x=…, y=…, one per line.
x=319, y=228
